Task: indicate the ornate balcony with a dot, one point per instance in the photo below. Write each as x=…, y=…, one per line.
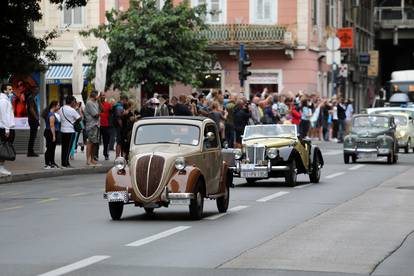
x=230, y=36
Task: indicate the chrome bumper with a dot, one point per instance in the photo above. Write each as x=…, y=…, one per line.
x=378, y=151
x=269, y=168
x=118, y=196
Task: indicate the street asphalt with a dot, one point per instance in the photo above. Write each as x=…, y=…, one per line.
x=358, y=220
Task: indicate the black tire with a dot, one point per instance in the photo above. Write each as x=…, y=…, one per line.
x=390, y=158
x=346, y=158
x=149, y=211
x=407, y=148
x=223, y=202
x=315, y=175
x=197, y=204
x=291, y=175
x=116, y=209
x=354, y=158
x=251, y=181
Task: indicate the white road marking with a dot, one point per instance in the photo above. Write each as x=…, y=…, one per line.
x=48, y=200
x=75, y=266
x=11, y=208
x=356, y=167
x=334, y=175
x=232, y=210
x=158, y=236
x=302, y=186
x=270, y=197
x=78, y=194
x=332, y=152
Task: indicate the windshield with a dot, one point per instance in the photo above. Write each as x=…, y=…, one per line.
x=167, y=133
x=400, y=120
x=264, y=131
x=371, y=121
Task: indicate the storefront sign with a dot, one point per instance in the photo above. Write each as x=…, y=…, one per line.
x=346, y=36
x=364, y=59
x=216, y=66
x=374, y=64
x=263, y=78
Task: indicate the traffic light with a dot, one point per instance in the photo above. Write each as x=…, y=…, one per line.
x=244, y=64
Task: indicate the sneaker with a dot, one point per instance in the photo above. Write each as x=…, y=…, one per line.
x=32, y=154
x=106, y=158
x=4, y=171
x=55, y=166
x=47, y=167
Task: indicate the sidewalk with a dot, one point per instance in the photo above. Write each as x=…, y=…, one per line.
x=27, y=168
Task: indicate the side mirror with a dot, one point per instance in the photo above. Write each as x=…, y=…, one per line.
x=210, y=136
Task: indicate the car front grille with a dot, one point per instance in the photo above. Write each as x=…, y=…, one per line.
x=255, y=153
x=367, y=143
x=148, y=174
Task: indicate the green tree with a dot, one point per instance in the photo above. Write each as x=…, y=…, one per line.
x=150, y=46
x=21, y=51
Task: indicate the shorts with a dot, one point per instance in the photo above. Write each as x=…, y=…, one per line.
x=119, y=138
x=93, y=135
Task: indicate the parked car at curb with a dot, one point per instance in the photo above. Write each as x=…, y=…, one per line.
x=371, y=136
x=276, y=151
x=405, y=130
x=172, y=160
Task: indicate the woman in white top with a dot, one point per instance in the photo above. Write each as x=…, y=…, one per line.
x=6, y=121
x=68, y=117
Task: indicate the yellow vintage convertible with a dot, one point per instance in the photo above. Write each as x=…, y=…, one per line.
x=276, y=151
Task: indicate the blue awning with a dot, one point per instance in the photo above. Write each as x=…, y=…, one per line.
x=57, y=73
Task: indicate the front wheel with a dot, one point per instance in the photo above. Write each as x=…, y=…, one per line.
x=315, y=175
x=408, y=147
x=251, y=181
x=197, y=203
x=116, y=209
x=291, y=175
x=223, y=202
x=149, y=211
x=346, y=158
x=390, y=158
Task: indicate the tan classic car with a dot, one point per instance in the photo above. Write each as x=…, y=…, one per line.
x=173, y=160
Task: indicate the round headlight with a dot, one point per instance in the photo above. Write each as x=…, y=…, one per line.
x=180, y=163
x=402, y=133
x=271, y=153
x=120, y=163
x=238, y=154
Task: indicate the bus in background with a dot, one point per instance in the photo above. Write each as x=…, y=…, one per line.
x=402, y=87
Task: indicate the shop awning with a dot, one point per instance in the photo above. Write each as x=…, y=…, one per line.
x=62, y=73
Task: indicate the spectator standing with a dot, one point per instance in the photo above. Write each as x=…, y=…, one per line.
x=294, y=115
x=128, y=120
x=305, y=119
x=241, y=120
x=349, y=112
x=162, y=109
x=229, y=123
x=182, y=108
x=218, y=117
x=255, y=115
x=92, y=118
x=68, y=117
x=105, y=119
x=334, y=120
x=341, y=109
x=52, y=127
x=33, y=117
x=6, y=122
x=118, y=111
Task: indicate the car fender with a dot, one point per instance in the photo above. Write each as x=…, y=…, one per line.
x=185, y=180
x=226, y=172
x=117, y=180
x=390, y=141
x=290, y=153
x=316, y=151
x=286, y=152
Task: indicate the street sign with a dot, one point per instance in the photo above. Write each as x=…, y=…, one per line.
x=343, y=70
x=346, y=36
x=374, y=64
x=364, y=59
x=333, y=43
x=333, y=57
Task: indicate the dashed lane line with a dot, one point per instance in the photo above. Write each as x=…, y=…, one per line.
x=357, y=167
x=78, y=194
x=273, y=196
x=75, y=266
x=334, y=175
x=229, y=211
x=47, y=200
x=158, y=236
x=332, y=152
x=11, y=208
x=302, y=186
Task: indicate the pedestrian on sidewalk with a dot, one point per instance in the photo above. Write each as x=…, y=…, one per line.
x=69, y=117
x=105, y=118
x=6, y=122
x=33, y=117
x=118, y=111
x=52, y=126
x=92, y=118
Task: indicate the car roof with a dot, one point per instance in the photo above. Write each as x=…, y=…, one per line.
x=394, y=113
x=193, y=118
x=376, y=114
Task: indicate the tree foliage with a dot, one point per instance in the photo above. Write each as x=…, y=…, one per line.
x=22, y=52
x=151, y=46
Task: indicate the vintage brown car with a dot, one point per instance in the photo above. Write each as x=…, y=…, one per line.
x=172, y=160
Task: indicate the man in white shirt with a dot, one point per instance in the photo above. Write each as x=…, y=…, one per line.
x=6, y=122
x=68, y=116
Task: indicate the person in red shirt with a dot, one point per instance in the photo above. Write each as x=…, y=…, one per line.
x=105, y=120
x=294, y=115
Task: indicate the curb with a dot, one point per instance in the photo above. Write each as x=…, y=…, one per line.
x=53, y=173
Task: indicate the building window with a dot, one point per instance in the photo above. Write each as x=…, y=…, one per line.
x=73, y=16
x=263, y=11
x=216, y=10
x=315, y=12
x=331, y=13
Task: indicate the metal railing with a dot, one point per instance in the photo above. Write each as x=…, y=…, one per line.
x=394, y=16
x=228, y=34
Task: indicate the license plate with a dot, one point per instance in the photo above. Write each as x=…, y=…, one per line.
x=368, y=155
x=116, y=196
x=253, y=174
x=247, y=167
x=180, y=202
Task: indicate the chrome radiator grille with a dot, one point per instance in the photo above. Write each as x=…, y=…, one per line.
x=255, y=153
x=366, y=143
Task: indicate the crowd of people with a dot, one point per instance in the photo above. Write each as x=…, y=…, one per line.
x=104, y=121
